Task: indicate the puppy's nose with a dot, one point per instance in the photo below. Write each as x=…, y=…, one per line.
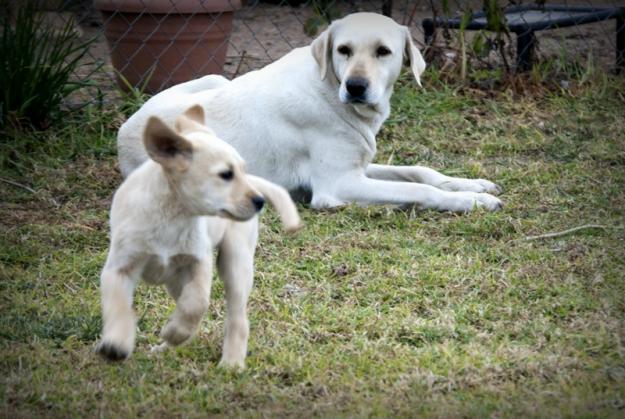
x=357, y=86
x=258, y=202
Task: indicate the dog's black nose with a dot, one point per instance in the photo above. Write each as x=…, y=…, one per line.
x=357, y=87
x=258, y=202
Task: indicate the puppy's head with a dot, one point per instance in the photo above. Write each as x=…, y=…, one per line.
x=365, y=53
x=206, y=174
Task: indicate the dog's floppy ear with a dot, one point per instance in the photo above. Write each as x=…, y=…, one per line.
x=281, y=201
x=167, y=147
x=192, y=120
x=413, y=57
x=321, y=49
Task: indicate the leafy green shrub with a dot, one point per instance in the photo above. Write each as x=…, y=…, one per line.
x=324, y=13
x=36, y=63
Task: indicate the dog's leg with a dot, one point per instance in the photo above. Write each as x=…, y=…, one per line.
x=364, y=190
x=430, y=177
x=191, y=289
x=118, y=335
x=236, y=268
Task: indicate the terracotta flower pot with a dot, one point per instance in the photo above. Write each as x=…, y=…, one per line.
x=167, y=42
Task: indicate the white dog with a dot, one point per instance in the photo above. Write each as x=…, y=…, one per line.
x=166, y=218
x=309, y=120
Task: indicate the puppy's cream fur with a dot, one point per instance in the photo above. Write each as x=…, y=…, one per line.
x=190, y=197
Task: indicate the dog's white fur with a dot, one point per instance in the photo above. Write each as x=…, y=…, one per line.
x=166, y=218
x=296, y=123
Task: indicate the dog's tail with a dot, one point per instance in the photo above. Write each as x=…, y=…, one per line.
x=281, y=201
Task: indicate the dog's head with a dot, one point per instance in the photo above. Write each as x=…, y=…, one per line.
x=365, y=53
x=206, y=173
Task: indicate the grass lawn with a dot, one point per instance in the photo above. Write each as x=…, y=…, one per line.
x=368, y=311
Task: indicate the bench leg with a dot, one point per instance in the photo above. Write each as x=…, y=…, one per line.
x=387, y=7
x=428, y=31
x=620, y=43
x=525, y=50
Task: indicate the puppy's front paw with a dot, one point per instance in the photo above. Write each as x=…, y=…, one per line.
x=113, y=351
x=175, y=333
x=232, y=363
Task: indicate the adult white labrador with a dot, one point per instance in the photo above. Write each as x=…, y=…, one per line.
x=309, y=120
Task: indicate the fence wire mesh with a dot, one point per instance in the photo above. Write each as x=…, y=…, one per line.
x=153, y=44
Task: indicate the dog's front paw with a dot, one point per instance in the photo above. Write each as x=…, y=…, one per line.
x=113, y=351
x=324, y=201
x=468, y=201
x=487, y=186
x=470, y=185
x=489, y=202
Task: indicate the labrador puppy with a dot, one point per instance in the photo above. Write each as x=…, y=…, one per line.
x=309, y=121
x=190, y=197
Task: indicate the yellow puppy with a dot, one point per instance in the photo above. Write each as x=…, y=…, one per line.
x=190, y=197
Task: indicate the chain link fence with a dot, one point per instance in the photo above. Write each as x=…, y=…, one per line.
x=152, y=44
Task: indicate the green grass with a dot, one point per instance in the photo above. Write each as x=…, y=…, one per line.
x=368, y=311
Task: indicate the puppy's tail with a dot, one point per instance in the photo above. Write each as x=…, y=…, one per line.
x=281, y=200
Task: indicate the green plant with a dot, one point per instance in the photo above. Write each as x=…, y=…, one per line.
x=37, y=63
x=463, y=45
x=132, y=98
x=474, y=51
x=562, y=69
x=496, y=22
x=324, y=13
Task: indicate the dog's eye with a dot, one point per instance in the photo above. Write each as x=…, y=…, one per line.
x=344, y=50
x=226, y=175
x=382, y=51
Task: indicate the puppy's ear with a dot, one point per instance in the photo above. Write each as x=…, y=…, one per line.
x=192, y=120
x=167, y=147
x=413, y=57
x=321, y=49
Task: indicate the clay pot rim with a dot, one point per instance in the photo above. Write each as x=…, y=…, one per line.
x=168, y=6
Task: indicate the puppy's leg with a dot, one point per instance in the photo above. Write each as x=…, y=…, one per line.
x=118, y=336
x=236, y=268
x=192, y=292
x=430, y=177
x=355, y=187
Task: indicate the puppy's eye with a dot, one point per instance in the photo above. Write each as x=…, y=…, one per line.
x=382, y=51
x=344, y=50
x=226, y=175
